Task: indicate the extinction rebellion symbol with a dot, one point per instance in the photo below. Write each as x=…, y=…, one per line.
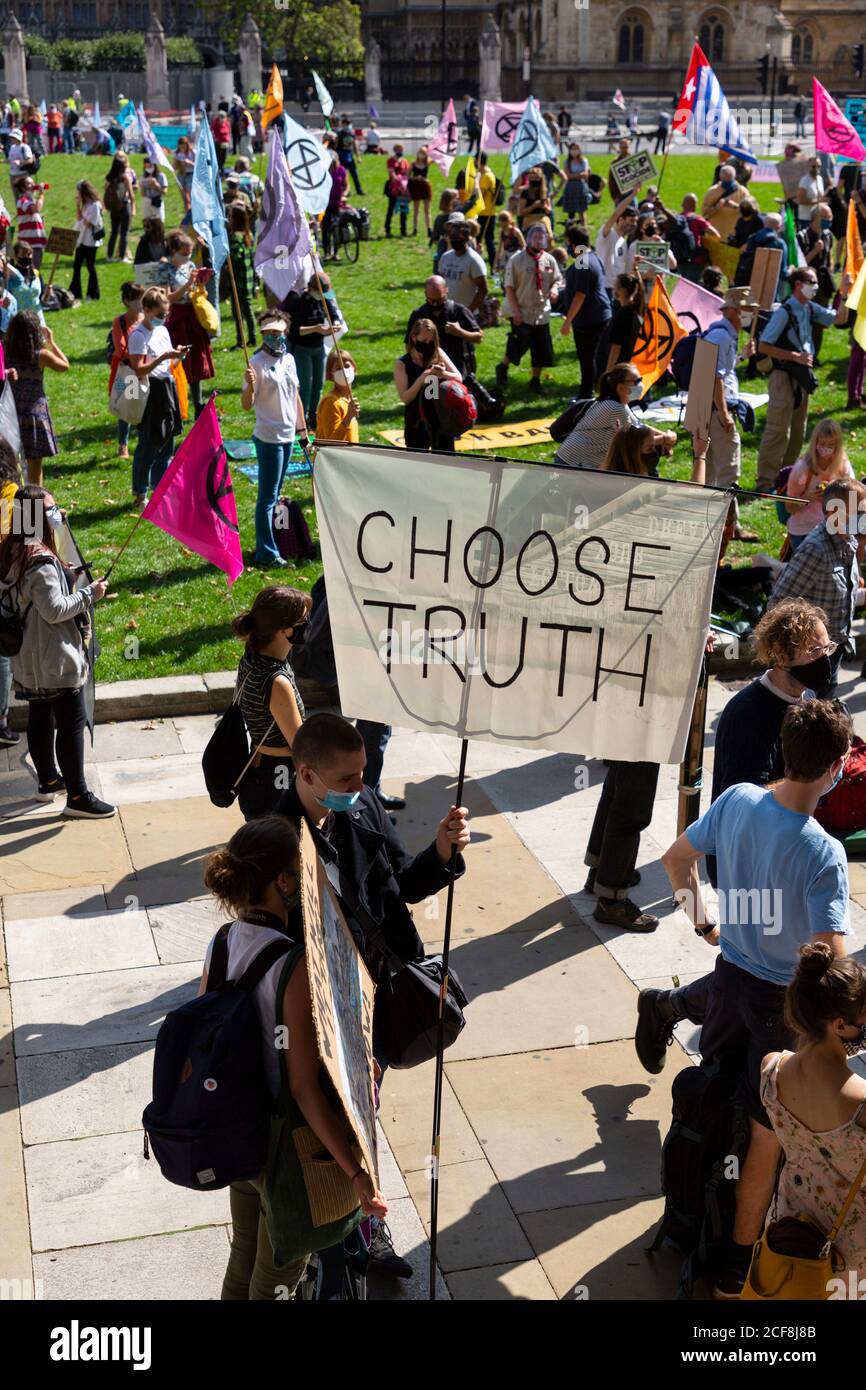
x=507, y=124
x=306, y=163
x=219, y=485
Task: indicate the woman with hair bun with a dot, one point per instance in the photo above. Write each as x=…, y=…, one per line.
x=816, y=1104
x=256, y=878
x=272, y=708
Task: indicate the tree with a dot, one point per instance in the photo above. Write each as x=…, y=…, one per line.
x=320, y=34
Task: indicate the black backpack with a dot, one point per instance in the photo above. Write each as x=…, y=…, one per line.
x=209, y=1119
x=12, y=621
x=683, y=360
x=571, y=416
x=681, y=239
x=698, y=1178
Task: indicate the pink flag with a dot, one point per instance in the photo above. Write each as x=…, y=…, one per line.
x=695, y=307
x=500, y=121
x=442, y=149
x=195, y=501
x=834, y=133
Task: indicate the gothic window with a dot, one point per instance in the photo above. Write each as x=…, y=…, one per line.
x=631, y=48
x=712, y=38
x=802, y=47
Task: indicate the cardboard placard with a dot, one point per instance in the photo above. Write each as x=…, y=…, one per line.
x=342, y=994
x=62, y=241
x=790, y=173
x=765, y=276
x=699, y=405
x=651, y=257
x=634, y=169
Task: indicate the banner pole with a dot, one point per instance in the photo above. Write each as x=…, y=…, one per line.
x=330, y=320
x=440, y=1040
x=691, y=768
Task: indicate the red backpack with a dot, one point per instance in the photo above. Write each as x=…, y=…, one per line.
x=843, y=810
x=452, y=411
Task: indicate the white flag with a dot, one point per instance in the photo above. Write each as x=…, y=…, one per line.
x=519, y=603
x=309, y=165
x=326, y=101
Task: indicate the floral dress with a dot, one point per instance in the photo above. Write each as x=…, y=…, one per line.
x=819, y=1169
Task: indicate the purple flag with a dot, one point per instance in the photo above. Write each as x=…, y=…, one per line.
x=284, y=237
x=695, y=305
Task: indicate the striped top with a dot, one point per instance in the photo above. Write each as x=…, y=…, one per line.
x=257, y=673
x=31, y=228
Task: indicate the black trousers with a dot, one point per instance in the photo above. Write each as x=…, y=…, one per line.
x=263, y=786
x=84, y=256
x=392, y=203
x=625, y=809
x=487, y=225
x=745, y=1019
x=55, y=737
x=585, y=345
x=119, y=230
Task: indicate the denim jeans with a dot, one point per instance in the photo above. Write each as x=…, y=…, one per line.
x=375, y=738
x=123, y=428
x=263, y=786
x=148, y=466
x=273, y=462
x=5, y=684
x=310, y=362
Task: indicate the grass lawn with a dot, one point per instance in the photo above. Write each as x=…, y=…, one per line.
x=177, y=605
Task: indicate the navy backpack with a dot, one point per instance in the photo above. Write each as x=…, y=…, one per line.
x=209, y=1120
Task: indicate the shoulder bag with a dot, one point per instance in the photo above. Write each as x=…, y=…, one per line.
x=794, y=1259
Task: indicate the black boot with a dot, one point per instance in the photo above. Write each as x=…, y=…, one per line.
x=656, y=1020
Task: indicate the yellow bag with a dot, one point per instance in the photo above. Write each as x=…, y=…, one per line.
x=795, y=1260
x=204, y=311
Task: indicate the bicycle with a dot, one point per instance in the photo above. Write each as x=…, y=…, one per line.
x=343, y=236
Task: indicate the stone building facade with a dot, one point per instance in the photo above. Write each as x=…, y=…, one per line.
x=584, y=49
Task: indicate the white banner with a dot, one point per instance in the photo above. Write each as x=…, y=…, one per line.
x=519, y=603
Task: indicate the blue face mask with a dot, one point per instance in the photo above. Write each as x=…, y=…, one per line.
x=338, y=801
x=727, y=185
x=274, y=342
x=157, y=323
x=826, y=223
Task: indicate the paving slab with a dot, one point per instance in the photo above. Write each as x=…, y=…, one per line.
x=14, y=1231
x=132, y=739
x=524, y=1282
x=554, y=987
x=60, y=902
x=410, y=1241
x=406, y=1117
x=173, y=839
x=391, y=1183
x=7, y=1056
x=81, y=1093
x=182, y=931
x=118, y=1006
x=194, y=731
x=590, y=1124
x=90, y=1191
x=183, y=1265
x=40, y=947
x=503, y=887
x=155, y=779
x=477, y=1226
x=41, y=851
x=596, y=1252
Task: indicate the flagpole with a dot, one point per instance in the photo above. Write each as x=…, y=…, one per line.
x=237, y=304
x=330, y=320
x=138, y=522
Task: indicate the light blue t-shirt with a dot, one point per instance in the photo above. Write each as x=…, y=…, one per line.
x=781, y=880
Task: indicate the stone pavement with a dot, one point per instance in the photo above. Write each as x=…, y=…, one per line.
x=549, y=1175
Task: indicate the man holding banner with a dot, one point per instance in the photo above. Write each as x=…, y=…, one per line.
x=723, y=452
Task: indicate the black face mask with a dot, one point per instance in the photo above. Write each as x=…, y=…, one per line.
x=814, y=674
x=853, y=1046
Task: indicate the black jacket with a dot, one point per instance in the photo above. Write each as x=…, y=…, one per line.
x=380, y=871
